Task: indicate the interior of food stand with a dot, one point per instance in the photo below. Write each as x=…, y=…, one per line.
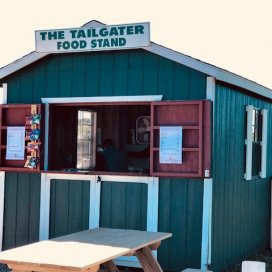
x=127, y=125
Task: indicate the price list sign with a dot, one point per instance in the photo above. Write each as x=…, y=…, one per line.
x=15, y=143
x=171, y=145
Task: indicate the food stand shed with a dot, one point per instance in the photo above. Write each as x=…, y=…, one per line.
x=193, y=189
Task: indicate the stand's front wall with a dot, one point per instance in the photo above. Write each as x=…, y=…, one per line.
x=241, y=212
x=116, y=73
x=122, y=204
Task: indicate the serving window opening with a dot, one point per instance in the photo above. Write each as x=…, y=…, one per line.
x=166, y=138
x=104, y=137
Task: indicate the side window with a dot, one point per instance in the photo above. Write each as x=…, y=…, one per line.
x=255, y=143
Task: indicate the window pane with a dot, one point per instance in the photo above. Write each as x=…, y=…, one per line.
x=256, y=159
x=256, y=125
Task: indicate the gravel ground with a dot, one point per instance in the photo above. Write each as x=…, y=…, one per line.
x=265, y=256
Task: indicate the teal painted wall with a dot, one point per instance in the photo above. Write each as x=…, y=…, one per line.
x=132, y=72
x=123, y=205
x=69, y=207
x=241, y=209
x=22, y=209
x=180, y=212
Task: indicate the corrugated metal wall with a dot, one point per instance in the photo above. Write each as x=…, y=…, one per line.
x=133, y=72
x=241, y=209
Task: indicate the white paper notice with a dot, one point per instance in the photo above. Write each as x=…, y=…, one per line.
x=15, y=143
x=171, y=145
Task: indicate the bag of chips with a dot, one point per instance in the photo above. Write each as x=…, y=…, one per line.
x=34, y=135
x=32, y=146
x=31, y=162
x=33, y=119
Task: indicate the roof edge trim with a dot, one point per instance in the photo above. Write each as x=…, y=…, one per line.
x=21, y=63
x=210, y=70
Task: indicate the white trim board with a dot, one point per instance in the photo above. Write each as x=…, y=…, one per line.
x=21, y=63
x=206, y=241
x=206, y=224
x=2, y=200
x=101, y=99
x=3, y=95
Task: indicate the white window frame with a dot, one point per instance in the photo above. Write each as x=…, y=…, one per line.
x=2, y=202
x=264, y=144
x=249, y=143
x=3, y=93
x=100, y=99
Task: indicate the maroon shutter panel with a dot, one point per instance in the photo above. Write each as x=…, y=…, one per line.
x=15, y=115
x=195, y=119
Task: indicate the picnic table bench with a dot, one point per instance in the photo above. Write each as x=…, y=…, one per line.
x=86, y=251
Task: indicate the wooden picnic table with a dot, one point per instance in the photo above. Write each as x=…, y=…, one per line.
x=86, y=251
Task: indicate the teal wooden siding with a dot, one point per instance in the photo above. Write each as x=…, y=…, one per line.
x=241, y=209
x=69, y=207
x=118, y=73
x=133, y=72
x=180, y=212
x=123, y=205
x=22, y=209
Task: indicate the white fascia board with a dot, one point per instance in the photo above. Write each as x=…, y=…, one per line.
x=244, y=83
x=210, y=70
x=21, y=63
x=182, y=59
x=101, y=99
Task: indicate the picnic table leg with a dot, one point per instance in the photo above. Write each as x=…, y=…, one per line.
x=110, y=266
x=92, y=269
x=147, y=260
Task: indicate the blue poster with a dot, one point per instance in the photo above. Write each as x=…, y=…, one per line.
x=171, y=145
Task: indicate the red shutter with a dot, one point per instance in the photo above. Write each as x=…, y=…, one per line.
x=12, y=115
x=195, y=119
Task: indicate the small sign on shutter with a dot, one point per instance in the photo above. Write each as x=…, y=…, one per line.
x=171, y=144
x=15, y=143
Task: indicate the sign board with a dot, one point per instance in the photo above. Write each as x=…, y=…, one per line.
x=171, y=145
x=15, y=143
x=93, y=38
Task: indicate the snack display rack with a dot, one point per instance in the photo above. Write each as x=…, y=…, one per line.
x=29, y=117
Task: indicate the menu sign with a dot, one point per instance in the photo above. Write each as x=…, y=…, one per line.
x=15, y=143
x=171, y=145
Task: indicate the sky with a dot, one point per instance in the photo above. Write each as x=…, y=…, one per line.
x=235, y=35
